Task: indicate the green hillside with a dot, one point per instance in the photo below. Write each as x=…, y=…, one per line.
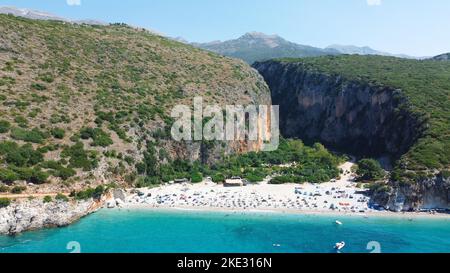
x=82, y=104
x=426, y=85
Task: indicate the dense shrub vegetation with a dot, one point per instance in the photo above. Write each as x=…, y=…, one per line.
x=98, y=136
x=95, y=193
x=58, y=133
x=4, y=202
x=369, y=170
x=57, y=169
x=34, y=135
x=79, y=157
x=61, y=197
x=100, y=94
x=4, y=126
x=303, y=164
x=18, y=189
x=22, y=162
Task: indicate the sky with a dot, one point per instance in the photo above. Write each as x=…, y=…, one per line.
x=414, y=27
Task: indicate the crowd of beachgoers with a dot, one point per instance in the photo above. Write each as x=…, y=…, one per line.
x=341, y=196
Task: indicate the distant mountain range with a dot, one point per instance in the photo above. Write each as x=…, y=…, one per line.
x=40, y=15
x=251, y=47
x=256, y=46
x=365, y=50
x=442, y=57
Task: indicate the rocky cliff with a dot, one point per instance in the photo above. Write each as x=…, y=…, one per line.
x=429, y=193
x=358, y=118
x=331, y=100
x=34, y=214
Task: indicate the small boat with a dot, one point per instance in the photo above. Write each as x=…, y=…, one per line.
x=340, y=245
x=339, y=223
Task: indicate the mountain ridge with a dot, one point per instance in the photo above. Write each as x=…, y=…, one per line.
x=442, y=57
x=252, y=46
x=41, y=15
x=257, y=46
x=366, y=50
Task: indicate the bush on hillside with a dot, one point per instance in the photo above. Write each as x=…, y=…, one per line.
x=4, y=126
x=98, y=136
x=18, y=189
x=58, y=133
x=369, y=170
x=61, y=197
x=196, y=177
x=34, y=135
x=4, y=202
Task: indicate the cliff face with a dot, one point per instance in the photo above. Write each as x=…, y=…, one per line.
x=350, y=116
x=34, y=214
x=431, y=193
x=356, y=118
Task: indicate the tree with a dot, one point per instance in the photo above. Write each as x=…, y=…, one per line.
x=4, y=126
x=57, y=133
x=218, y=178
x=4, y=202
x=8, y=176
x=38, y=176
x=370, y=170
x=66, y=173
x=61, y=197
x=196, y=177
x=254, y=178
x=18, y=189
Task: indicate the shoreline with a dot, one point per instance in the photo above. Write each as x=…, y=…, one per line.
x=337, y=198
x=32, y=215
x=341, y=197
x=386, y=214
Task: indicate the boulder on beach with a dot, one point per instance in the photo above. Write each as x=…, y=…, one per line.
x=119, y=194
x=111, y=204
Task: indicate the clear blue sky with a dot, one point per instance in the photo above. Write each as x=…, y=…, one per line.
x=415, y=27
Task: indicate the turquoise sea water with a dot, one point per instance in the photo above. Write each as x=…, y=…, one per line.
x=145, y=231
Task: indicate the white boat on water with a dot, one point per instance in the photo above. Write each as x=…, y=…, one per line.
x=340, y=245
x=339, y=223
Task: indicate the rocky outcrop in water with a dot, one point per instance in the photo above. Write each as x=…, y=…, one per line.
x=34, y=214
